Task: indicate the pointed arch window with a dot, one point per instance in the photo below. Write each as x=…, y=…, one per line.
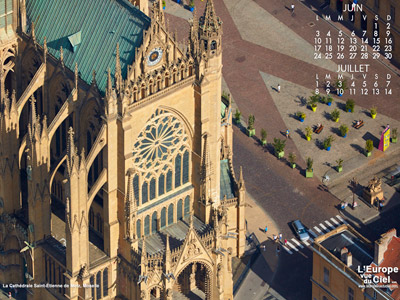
x=187, y=206
x=152, y=189
x=161, y=183
x=98, y=285
x=147, y=226
x=178, y=165
x=105, y=282
x=154, y=222
x=213, y=45
x=170, y=214
x=144, y=192
x=138, y=229
x=179, y=215
x=169, y=180
x=163, y=222
x=185, y=169
x=136, y=188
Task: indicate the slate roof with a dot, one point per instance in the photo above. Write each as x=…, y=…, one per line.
x=177, y=234
x=362, y=254
x=226, y=181
x=101, y=23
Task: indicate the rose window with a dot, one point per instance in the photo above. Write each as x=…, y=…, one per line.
x=159, y=141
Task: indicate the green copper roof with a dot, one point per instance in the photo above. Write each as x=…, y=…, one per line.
x=88, y=31
x=226, y=181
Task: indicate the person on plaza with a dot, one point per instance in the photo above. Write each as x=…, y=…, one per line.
x=266, y=229
x=279, y=88
x=278, y=249
x=263, y=247
x=280, y=237
x=274, y=237
x=292, y=9
x=358, y=123
x=285, y=242
x=287, y=133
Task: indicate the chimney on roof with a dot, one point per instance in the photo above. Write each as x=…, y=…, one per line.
x=346, y=257
x=382, y=244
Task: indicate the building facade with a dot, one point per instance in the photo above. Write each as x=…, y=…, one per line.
x=116, y=175
x=344, y=266
x=375, y=20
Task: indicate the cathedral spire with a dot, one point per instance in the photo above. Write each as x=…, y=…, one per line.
x=45, y=50
x=33, y=35
x=241, y=179
x=118, y=73
x=62, y=56
x=109, y=84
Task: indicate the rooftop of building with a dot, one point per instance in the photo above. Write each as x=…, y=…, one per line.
x=345, y=236
x=226, y=181
x=89, y=32
x=177, y=233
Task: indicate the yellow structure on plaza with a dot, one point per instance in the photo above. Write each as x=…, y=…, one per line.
x=376, y=18
x=116, y=175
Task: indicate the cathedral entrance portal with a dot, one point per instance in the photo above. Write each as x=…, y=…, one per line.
x=194, y=282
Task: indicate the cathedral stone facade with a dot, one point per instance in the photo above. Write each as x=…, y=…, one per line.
x=116, y=176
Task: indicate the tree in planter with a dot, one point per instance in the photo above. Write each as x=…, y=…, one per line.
x=191, y=5
x=373, y=112
x=301, y=116
x=308, y=133
x=309, y=170
x=292, y=160
x=350, y=105
x=394, y=135
x=328, y=142
x=164, y=4
x=329, y=100
x=279, y=146
x=335, y=115
x=314, y=99
x=344, y=130
x=263, y=136
x=339, y=167
x=238, y=116
x=250, y=125
x=369, y=146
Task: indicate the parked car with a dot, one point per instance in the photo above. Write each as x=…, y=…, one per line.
x=300, y=230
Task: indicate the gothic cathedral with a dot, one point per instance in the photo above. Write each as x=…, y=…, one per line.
x=116, y=175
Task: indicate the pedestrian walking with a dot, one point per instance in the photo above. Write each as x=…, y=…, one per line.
x=285, y=242
x=287, y=133
x=279, y=88
x=278, y=249
x=9, y=295
x=280, y=237
x=292, y=9
x=263, y=247
x=266, y=229
x=275, y=238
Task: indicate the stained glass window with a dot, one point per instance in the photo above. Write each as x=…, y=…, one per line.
x=179, y=210
x=147, y=225
x=138, y=229
x=152, y=189
x=169, y=180
x=154, y=222
x=185, y=170
x=170, y=214
x=144, y=193
x=161, y=183
x=187, y=206
x=178, y=170
x=163, y=217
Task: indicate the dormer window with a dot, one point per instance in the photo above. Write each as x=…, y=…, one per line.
x=75, y=40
